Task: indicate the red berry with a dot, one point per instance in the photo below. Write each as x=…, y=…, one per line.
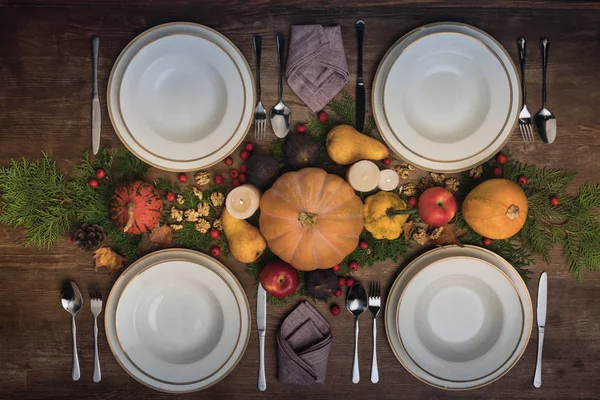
x=335, y=310
x=74, y=239
x=93, y=183
x=412, y=201
x=242, y=178
x=501, y=158
x=218, y=179
x=229, y=161
x=100, y=173
x=234, y=173
x=214, y=233
x=215, y=251
x=338, y=292
x=554, y=201
x=353, y=265
x=341, y=281
x=170, y=196
x=249, y=147
x=300, y=128
x=363, y=244
x=486, y=241
x=336, y=268
x=522, y=180
x=349, y=282
x=244, y=155
x=497, y=171
x=322, y=115
x=182, y=177
x=386, y=161
x=235, y=183
x=243, y=168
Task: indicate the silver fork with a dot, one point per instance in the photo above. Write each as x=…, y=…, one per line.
x=260, y=114
x=96, y=307
x=374, y=306
x=524, y=116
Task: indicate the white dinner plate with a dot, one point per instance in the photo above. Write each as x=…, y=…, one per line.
x=446, y=97
x=181, y=96
x=460, y=319
x=198, y=348
x=411, y=270
x=174, y=322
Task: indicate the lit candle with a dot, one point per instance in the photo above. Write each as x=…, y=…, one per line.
x=243, y=201
x=363, y=176
x=388, y=180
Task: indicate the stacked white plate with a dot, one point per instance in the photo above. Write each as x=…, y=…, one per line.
x=446, y=97
x=458, y=318
x=177, y=321
x=181, y=96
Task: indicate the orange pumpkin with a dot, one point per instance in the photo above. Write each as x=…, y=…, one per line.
x=311, y=219
x=496, y=209
x=136, y=207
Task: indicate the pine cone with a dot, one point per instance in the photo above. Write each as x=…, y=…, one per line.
x=89, y=237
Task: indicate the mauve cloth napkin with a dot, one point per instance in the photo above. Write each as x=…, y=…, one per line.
x=316, y=68
x=303, y=344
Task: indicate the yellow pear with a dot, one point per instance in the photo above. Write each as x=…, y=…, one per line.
x=345, y=145
x=245, y=241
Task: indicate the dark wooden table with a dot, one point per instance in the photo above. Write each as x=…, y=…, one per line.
x=45, y=86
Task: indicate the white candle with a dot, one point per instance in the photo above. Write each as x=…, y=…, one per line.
x=388, y=180
x=243, y=201
x=363, y=176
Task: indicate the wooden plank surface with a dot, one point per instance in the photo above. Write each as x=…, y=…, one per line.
x=45, y=86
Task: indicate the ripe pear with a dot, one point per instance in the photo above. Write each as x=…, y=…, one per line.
x=245, y=241
x=345, y=145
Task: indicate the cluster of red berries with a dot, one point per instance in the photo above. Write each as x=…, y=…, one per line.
x=100, y=174
x=342, y=282
x=321, y=116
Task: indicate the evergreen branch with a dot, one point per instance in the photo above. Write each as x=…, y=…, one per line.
x=130, y=167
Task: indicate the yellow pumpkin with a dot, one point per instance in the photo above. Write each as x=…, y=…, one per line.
x=311, y=219
x=385, y=214
x=496, y=209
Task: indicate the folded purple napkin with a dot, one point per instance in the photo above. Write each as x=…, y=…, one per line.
x=316, y=68
x=303, y=344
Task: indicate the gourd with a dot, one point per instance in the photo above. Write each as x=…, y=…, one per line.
x=136, y=207
x=385, y=214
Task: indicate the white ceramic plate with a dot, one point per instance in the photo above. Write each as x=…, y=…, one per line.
x=411, y=270
x=460, y=319
x=447, y=96
x=432, y=126
x=172, y=322
x=181, y=96
x=198, y=374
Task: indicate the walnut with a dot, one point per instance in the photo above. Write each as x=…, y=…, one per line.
x=203, y=209
x=217, y=199
x=176, y=214
x=191, y=215
x=202, y=178
x=217, y=224
x=424, y=184
x=420, y=236
x=176, y=227
x=409, y=189
x=180, y=199
x=437, y=178
x=452, y=184
x=197, y=192
x=410, y=167
x=435, y=234
x=476, y=172
x=403, y=171
x=202, y=225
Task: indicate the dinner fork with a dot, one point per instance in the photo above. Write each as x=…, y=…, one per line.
x=96, y=307
x=374, y=306
x=524, y=116
x=260, y=114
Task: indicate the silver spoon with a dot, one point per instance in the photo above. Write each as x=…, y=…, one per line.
x=71, y=301
x=356, y=303
x=544, y=119
x=281, y=115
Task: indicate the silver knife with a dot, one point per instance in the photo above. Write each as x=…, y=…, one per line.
x=360, y=81
x=96, y=116
x=261, y=323
x=542, y=303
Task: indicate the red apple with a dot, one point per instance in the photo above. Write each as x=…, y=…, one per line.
x=437, y=206
x=279, y=279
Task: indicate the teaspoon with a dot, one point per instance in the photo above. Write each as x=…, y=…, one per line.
x=71, y=301
x=544, y=119
x=281, y=115
x=356, y=303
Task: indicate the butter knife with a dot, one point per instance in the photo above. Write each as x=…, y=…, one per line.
x=261, y=324
x=360, y=81
x=96, y=116
x=542, y=303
